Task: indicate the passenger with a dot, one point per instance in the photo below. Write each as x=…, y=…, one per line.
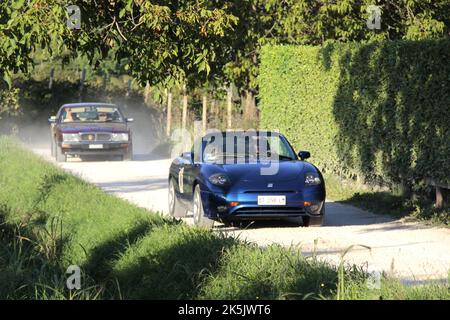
x=116, y=116
x=69, y=116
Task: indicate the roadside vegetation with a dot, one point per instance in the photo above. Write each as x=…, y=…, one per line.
x=393, y=203
x=50, y=220
x=368, y=120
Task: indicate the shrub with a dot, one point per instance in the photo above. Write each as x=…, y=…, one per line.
x=376, y=111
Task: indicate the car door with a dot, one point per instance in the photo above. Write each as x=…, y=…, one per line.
x=190, y=172
x=183, y=176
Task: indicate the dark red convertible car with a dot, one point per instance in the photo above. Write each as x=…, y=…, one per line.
x=90, y=129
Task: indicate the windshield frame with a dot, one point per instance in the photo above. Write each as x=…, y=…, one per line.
x=114, y=108
x=247, y=159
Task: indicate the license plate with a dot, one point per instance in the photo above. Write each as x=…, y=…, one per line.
x=95, y=146
x=272, y=200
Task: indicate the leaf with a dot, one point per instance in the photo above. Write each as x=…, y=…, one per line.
x=17, y=4
x=122, y=12
x=7, y=79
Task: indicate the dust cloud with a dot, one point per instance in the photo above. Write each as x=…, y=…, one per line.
x=148, y=131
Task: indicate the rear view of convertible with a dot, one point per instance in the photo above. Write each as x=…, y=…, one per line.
x=253, y=175
x=90, y=129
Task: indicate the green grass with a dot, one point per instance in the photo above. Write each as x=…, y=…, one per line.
x=50, y=220
x=384, y=202
x=392, y=289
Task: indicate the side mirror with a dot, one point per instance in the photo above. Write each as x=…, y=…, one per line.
x=130, y=120
x=189, y=156
x=304, y=155
x=52, y=119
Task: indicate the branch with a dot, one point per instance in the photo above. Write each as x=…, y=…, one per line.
x=120, y=32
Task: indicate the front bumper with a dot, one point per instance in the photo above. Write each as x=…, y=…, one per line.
x=85, y=148
x=223, y=206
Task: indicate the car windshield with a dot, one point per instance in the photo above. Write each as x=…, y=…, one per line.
x=246, y=147
x=91, y=114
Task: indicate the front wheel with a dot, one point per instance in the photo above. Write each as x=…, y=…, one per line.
x=312, y=221
x=199, y=214
x=52, y=147
x=175, y=208
x=60, y=156
x=128, y=156
x=309, y=221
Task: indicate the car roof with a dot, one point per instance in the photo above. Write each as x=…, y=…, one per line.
x=85, y=104
x=242, y=132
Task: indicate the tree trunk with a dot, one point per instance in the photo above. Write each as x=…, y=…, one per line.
x=213, y=107
x=147, y=93
x=204, y=114
x=250, y=112
x=185, y=108
x=439, y=198
x=169, y=113
x=229, y=106
x=105, y=81
x=52, y=74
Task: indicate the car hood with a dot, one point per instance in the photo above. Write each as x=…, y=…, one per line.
x=93, y=127
x=276, y=171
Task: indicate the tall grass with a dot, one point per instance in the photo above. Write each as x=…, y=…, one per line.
x=50, y=220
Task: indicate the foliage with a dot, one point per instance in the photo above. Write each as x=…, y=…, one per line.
x=24, y=27
x=313, y=22
x=377, y=112
x=165, y=42
x=170, y=41
x=9, y=102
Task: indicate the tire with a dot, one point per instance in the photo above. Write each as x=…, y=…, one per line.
x=312, y=221
x=199, y=215
x=52, y=147
x=309, y=221
x=60, y=156
x=128, y=156
x=176, y=210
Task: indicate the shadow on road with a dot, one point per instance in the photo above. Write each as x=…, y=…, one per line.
x=337, y=215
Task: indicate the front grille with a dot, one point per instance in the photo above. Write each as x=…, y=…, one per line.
x=270, y=210
x=87, y=137
x=95, y=136
x=103, y=136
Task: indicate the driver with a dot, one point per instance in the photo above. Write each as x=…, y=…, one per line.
x=102, y=116
x=259, y=146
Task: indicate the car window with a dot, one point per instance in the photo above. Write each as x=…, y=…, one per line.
x=245, y=148
x=90, y=114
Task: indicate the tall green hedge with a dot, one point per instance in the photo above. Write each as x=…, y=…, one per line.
x=378, y=111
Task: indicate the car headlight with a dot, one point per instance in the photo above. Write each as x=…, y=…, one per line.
x=71, y=137
x=219, y=179
x=312, y=179
x=119, y=137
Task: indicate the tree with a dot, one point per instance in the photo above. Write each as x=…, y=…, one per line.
x=312, y=22
x=200, y=42
x=24, y=27
x=165, y=42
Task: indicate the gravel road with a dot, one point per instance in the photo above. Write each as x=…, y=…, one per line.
x=413, y=252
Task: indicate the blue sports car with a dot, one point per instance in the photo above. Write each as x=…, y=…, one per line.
x=245, y=175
